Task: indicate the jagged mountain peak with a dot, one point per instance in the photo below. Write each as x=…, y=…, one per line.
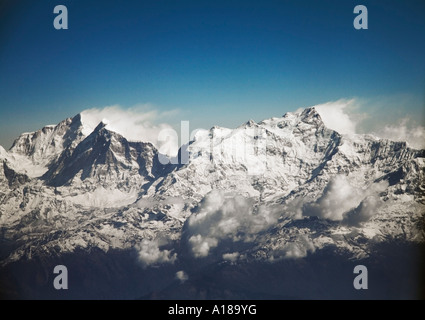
x=310, y=115
x=274, y=171
x=94, y=122
x=47, y=143
x=104, y=156
x=303, y=122
x=250, y=123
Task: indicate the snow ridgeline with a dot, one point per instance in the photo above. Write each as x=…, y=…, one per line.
x=281, y=188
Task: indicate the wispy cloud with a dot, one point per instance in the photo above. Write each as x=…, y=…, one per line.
x=404, y=130
x=139, y=123
x=350, y=116
x=338, y=197
x=363, y=212
x=336, y=115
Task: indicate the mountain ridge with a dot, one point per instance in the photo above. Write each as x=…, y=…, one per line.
x=291, y=187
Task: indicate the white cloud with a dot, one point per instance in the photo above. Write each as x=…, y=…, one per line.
x=350, y=116
x=363, y=212
x=135, y=124
x=234, y=256
x=341, y=201
x=336, y=115
x=182, y=276
x=404, y=131
x=338, y=197
x=201, y=245
x=222, y=216
x=299, y=248
x=150, y=254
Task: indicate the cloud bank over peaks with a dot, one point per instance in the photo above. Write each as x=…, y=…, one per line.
x=135, y=124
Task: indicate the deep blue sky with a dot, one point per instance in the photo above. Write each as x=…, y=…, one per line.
x=217, y=62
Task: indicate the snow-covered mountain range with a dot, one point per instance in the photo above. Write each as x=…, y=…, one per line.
x=283, y=188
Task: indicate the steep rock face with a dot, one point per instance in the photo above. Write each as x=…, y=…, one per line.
x=44, y=145
x=281, y=188
x=13, y=178
x=105, y=158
